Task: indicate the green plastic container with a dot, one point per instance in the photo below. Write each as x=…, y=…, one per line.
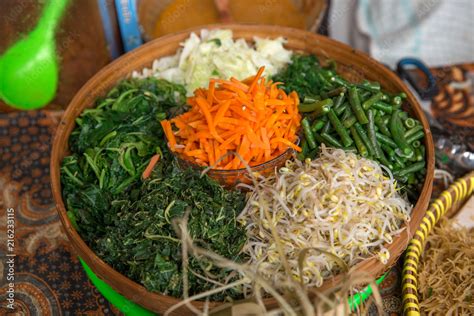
x=129, y=308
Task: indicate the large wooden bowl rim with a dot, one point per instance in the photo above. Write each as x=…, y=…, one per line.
x=298, y=40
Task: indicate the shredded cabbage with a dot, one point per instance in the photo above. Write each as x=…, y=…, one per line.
x=340, y=207
x=216, y=55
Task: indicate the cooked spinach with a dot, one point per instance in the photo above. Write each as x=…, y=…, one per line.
x=140, y=241
x=127, y=221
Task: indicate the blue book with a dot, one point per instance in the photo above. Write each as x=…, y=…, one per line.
x=128, y=23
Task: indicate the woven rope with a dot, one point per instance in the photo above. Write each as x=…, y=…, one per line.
x=456, y=194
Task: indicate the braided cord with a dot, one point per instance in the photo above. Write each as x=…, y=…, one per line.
x=457, y=193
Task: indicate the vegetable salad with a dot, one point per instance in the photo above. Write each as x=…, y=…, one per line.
x=339, y=200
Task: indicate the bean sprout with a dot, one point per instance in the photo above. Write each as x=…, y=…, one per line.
x=339, y=203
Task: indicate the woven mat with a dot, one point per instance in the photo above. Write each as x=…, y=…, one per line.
x=49, y=279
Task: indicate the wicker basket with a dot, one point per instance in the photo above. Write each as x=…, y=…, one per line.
x=449, y=201
x=352, y=64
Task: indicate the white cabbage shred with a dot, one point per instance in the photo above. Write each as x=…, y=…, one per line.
x=215, y=54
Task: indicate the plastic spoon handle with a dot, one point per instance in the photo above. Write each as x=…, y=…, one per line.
x=51, y=16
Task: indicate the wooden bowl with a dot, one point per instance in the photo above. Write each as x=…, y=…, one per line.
x=353, y=64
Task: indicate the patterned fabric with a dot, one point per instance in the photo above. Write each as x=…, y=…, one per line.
x=49, y=280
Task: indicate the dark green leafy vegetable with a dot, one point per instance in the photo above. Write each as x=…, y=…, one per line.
x=141, y=241
x=301, y=76
x=128, y=221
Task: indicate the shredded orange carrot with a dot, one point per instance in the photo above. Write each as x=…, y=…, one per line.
x=153, y=161
x=252, y=117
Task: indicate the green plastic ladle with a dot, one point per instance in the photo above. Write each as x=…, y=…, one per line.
x=29, y=68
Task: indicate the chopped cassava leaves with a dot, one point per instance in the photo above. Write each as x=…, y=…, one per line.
x=128, y=221
x=140, y=240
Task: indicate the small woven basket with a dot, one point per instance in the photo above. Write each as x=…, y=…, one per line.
x=451, y=199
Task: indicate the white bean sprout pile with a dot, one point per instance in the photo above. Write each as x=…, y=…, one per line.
x=335, y=210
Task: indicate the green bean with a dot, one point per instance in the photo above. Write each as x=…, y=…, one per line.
x=370, y=86
x=389, y=150
x=418, y=154
x=371, y=134
x=382, y=127
x=369, y=102
x=416, y=136
x=403, y=115
x=410, y=123
x=385, y=140
x=317, y=125
x=348, y=122
x=347, y=112
x=312, y=99
x=417, y=166
x=326, y=126
x=398, y=160
x=416, y=144
x=373, y=139
x=340, y=81
x=340, y=100
x=323, y=80
x=331, y=140
x=318, y=138
x=364, y=95
x=308, y=133
x=382, y=106
x=361, y=148
x=304, y=150
x=397, y=100
x=319, y=107
x=423, y=149
x=397, y=131
x=337, y=92
x=336, y=123
x=356, y=107
x=340, y=109
x=411, y=178
x=414, y=130
x=360, y=130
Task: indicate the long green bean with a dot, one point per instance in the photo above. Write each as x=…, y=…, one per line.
x=319, y=138
x=363, y=135
x=369, y=102
x=414, y=130
x=410, y=169
x=379, y=154
x=416, y=136
x=389, y=150
x=317, y=125
x=308, y=133
x=331, y=140
x=348, y=122
x=336, y=123
x=320, y=107
x=382, y=106
x=410, y=122
x=356, y=107
x=385, y=140
x=397, y=131
x=340, y=109
x=382, y=127
x=361, y=148
x=336, y=92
